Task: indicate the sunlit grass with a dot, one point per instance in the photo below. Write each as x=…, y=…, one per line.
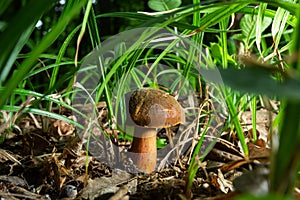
x=236, y=49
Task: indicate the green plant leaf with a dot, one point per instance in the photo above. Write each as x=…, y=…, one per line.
x=220, y=14
x=142, y=17
x=259, y=81
x=47, y=40
x=285, y=166
x=259, y=25
x=42, y=113
x=266, y=197
x=163, y=5
x=289, y=6
x=4, y=5
x=17, y=31
x=217, y=50
x=278, y=25
x=248, y=23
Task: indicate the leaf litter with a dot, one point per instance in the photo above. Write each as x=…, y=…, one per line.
x=52, y=163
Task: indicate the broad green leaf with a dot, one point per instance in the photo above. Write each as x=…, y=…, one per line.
x=163, y=5
x=217, y=51
x=257, y=80
x=248, y=23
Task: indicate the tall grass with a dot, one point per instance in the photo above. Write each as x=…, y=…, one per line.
x=251, y=80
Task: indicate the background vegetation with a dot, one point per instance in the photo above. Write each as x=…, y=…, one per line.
x=254, y=44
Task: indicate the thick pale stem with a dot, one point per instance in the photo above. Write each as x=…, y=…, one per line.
x=143, y=149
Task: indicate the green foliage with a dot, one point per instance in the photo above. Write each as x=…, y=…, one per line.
x=17, y=31
x=247, y=70
x=163, y=5
x=287, y=165
x=249, y=29
x=47, y=40
x=266, y=197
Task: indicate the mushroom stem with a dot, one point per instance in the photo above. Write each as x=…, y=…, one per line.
x=143, y=149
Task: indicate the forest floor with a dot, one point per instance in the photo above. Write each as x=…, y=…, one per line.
x=43, y=158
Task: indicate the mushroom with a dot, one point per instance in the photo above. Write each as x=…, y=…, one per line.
x=149, y=109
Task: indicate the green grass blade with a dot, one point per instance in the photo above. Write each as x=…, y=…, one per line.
x=58, y=61
x=229, y=98
x=83, y=27
x=96, y=43
x=4, y=5
x=235, y=120
x=289, y=6
x=220, y=14
x=259, y=23
x=16, y=33
x=42, y=113
x=19, y=24
x=42, y=46
x=14, y=54
x=286, y=163
x=278, y=25
x=287, y=159
x=253, y=111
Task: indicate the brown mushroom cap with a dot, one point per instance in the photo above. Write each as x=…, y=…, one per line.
x=153, y=108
